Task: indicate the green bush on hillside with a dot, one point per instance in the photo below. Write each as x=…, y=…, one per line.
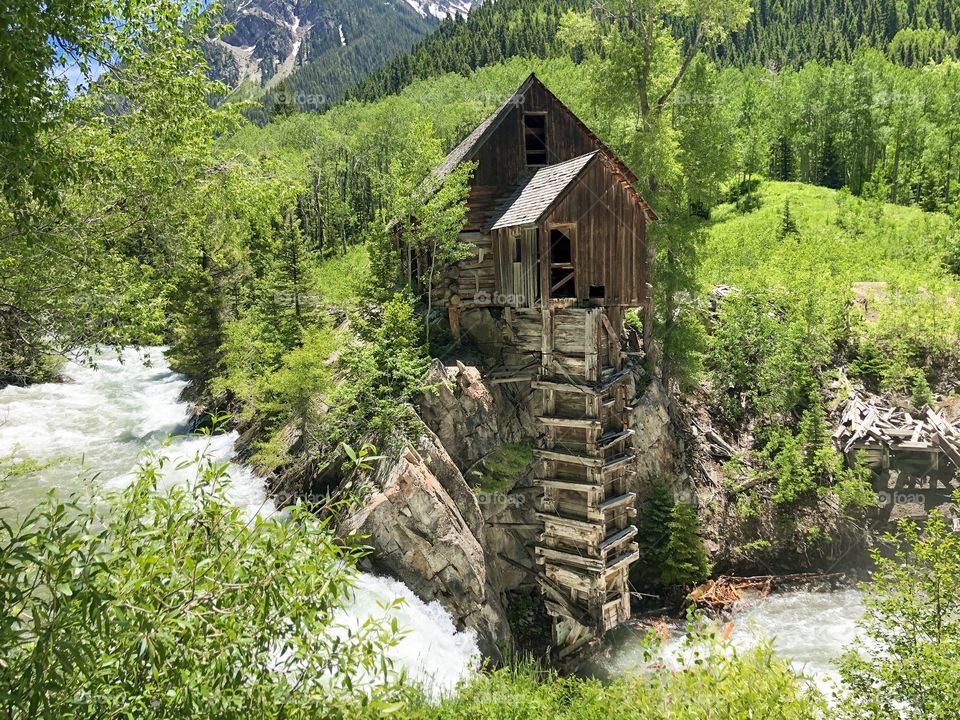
x=671, y=550
x=162, y=603
x=737, y=685
x=912, y=627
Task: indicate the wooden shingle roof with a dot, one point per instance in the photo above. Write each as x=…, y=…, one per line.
x=533, y=197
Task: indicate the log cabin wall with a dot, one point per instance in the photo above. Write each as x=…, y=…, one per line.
x=489, y=277
x=610, y=249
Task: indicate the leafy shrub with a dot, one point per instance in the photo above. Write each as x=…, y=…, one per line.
x=383, y=372
x=498, y=472
x=748, y=203
x=805, y=461
x=766, y=352
x=752, y=683
x=653, y=536
x=912, y=627
x=670, y=544
x=160, y=604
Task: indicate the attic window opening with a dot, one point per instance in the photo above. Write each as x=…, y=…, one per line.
x=517, y=250
x=535, y=138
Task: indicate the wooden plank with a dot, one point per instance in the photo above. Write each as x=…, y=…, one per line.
x=508, y=378
x=619, y=501
x=625, y=559
x=571, y=458
x=568, y=485
x=614, y=438
x=618, y=538
x=579, y=422
x=545, y=554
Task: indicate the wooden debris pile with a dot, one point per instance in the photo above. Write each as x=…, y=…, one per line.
x=722, y=594
x=867, y=422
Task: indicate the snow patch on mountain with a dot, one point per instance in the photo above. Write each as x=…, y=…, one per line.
x=441, y=9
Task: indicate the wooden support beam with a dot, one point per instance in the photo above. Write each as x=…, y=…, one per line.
x=571, y=485
x=546, y=554
x=561, y=386
x=616, y=502
x=579, y=422
x=613, y=438
x=568, y=457
x=617, y=539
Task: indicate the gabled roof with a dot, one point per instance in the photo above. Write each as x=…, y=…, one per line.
x=466, y=149
x=533, y=197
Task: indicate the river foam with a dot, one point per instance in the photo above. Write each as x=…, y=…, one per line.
x=810, y=630
x=98, y=426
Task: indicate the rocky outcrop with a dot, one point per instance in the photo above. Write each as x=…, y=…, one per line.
x=425, y=527
x=658, y=448
x=472, y=418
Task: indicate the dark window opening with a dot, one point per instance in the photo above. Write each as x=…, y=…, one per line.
x=535, y=138
x=563, y=275
x=517, y=250
x=561, y=247
x=598, y=292
x=563, y=283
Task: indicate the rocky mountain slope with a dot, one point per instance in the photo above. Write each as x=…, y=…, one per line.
x=332, y=43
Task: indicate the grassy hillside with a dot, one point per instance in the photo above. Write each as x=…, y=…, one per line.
x=844, y=238
x=843, y=247
x=818, y=282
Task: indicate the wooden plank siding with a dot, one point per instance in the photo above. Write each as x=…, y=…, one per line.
x=610, y=248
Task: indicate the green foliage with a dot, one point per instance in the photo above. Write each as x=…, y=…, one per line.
x=791, y=33
x=435, y=231
x=98, y=188
x=173, y=603
x=669, y=542
x=805, y=460
x=686, y=561
x=491, y=33
x=499, y=471
x=749, y=684
x=912, y=627
x=748, y=506
x=766, y=351
x=678, y=323
x=653, y=536
x=383, y=373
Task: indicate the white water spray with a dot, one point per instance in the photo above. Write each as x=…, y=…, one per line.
x=100, y=423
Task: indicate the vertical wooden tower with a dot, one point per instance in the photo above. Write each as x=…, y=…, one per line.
x=585, y=460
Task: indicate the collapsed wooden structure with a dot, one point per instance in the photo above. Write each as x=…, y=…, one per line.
x=922, y=447
x=556, y=235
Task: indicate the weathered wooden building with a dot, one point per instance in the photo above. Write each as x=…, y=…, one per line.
x=558, y=253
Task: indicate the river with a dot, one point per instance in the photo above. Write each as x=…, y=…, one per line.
x=809, y=629
x=95, y=427
x=98, y=424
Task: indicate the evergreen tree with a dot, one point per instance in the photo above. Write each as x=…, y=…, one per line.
x=653, y=537
x=685, y=561
x=788, y=226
